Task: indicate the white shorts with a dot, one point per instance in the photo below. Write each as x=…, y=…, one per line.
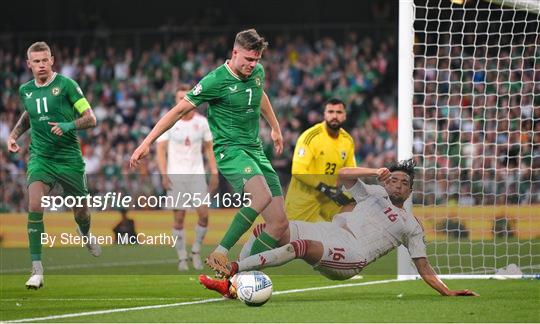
x=341, y=258
x=188, y=194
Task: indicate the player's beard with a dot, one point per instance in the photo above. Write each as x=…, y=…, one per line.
x=396, y=199
x=334, y=124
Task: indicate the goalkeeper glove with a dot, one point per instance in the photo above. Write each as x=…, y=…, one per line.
x=334, y=194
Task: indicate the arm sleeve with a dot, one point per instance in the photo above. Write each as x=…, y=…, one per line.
x=415, y=243
x=351, y=160
x=361, y=191
x=302, y=157
x=206, y=90
x=76, y=97
x=21, y=98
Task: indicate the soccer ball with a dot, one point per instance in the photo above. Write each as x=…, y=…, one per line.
x=254, y=288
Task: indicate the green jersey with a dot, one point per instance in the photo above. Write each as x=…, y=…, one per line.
x=59, y=100
x=234, y=105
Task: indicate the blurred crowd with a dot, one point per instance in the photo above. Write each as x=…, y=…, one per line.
x=460, y=116
x=130, y=91
x=477, y=123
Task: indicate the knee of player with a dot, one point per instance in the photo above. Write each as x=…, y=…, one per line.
x=203, y=220
x=34, y=205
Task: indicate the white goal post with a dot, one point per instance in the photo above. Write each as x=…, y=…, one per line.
x=469, y=113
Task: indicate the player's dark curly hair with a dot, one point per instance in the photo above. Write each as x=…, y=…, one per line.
x=249, y=39
x=406, y=166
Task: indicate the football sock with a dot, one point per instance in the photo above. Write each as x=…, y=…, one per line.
x=275, y=257
x=241, y=223
x=84, y=224
x=262, y=243
x=37, y=267
x=35, y=229
x=200, y=232
x=180, y=244
x=246, y=249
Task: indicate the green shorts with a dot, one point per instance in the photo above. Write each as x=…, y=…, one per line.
x=70, y=176
x=238, y=165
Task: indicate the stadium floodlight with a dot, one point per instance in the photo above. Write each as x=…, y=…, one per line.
x=468, y=103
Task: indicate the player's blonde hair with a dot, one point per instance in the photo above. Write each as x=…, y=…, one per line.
x=249, y=39
x=38, y=47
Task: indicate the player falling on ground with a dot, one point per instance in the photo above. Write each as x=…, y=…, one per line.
x=320, y=152
x=54, y=108
x=180, y=160
x=342, y=248
x=236, y=98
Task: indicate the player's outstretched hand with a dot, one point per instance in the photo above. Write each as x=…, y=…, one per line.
x=383, y=174
x=278, y=141
x=465, y=292
x=138, y=155
x=12, y=145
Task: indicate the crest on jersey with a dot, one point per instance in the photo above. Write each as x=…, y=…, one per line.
x=55, y=91
x=301, y=151
x=247, y=169
x=258, y=81
x=343, y=155
x=197, y=90
x=28, y=95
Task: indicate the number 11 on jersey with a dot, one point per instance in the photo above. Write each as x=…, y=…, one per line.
x=38, y=104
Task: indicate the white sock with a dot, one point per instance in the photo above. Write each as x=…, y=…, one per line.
x=270, y=258
x=180, y=245
x=37, y=267
x=246, y=249
x=221, y=249
x=200, y=233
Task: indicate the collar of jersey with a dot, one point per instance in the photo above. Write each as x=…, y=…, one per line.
x=231, y=71
x=48, y=82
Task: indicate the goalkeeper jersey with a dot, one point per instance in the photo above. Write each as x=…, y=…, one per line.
x=321, y=156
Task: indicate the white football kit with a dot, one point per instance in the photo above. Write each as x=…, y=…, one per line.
x=355, y=239
x=185, y=166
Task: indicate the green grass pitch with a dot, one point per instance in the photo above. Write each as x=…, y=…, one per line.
x=123, y=284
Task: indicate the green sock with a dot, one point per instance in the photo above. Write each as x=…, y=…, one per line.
x=35, y=228
x=84, y=224
x=241, y=223
x=263, y=243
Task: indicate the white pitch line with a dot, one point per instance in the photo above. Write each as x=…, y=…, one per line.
x=204, y=301
x=87, y=299
x=95, y=265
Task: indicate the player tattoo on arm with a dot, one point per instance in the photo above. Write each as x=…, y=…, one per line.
x=87, y=120
x=23, y=124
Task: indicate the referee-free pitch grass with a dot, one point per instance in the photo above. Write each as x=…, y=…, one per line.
x=108, y=295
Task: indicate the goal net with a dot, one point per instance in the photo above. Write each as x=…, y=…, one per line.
x=476, y=133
